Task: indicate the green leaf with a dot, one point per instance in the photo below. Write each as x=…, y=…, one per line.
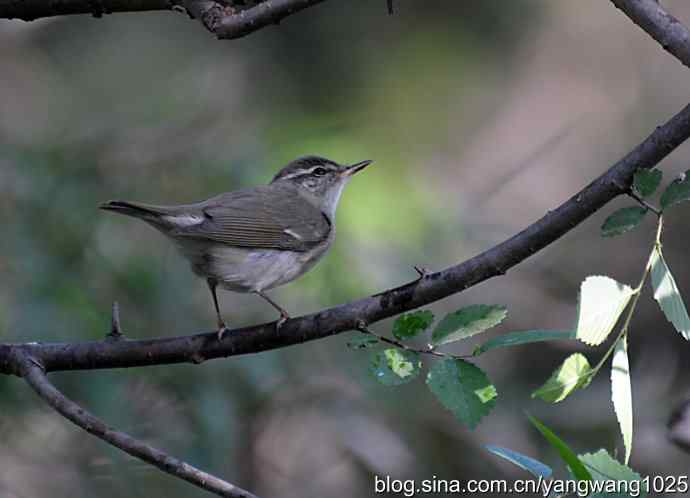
x=523, y=337
x=411, y=324
x=362, y=341
x=602, y=300
x=646, y=181
x=606, y=470
x=467, y=322
x=462, y=388
x=567, y=455
x=394, y=367
x=667, y=295
x=677, y=191
x=574, y=373
x=621, y=393
x=534, y=467
x=622, y=221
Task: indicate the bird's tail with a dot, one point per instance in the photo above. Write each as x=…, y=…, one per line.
x=137, y=210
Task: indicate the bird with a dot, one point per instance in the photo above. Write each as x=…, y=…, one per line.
x=255, y=239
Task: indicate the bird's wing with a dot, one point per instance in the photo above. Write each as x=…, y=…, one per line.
x=259, y=218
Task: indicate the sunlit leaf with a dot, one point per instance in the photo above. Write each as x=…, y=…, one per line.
x=411, y=324
x=623, y=220
x=534, y=467
x=568, y=456
x=646, y=181
x=463, y=388
x=394, y=367
x=574, y=373
x=523, y=337
x=677, y=191
x=602, y=300
x=667, y=295
x=467, y=322
x=608, y=471
x=362, y=341
x=621, y=393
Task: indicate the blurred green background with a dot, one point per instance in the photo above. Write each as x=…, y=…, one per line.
x=480, y=117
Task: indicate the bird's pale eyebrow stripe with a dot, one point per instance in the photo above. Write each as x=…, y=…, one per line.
x=306, y=171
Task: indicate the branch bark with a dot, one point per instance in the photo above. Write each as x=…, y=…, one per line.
x=227, y=19
x=33, y=373
x=651, y=16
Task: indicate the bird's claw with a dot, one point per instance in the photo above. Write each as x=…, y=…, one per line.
x=284, y=317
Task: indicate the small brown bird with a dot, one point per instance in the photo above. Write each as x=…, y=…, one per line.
x=255, y=239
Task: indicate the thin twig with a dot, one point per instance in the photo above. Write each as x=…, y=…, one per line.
x=644, y=203
x=115, y=327
x=429, y=351
x=35, y=376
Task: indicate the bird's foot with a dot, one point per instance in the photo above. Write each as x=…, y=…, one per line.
x=222, y=329
x=284, y=317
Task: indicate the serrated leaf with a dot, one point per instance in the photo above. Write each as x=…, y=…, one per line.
x=607, y=470
x=362, y=341
x=574, y=373
x=667, y=294
x=621, y=393
x=568, y=456
x=646, y=181
x=410, y=324
x=523, y=337
x=534, y=467
x=602, y=300
x=677, y=191
x=467, y=322
x=394, y=367
x=623, y=220
x=463, y=388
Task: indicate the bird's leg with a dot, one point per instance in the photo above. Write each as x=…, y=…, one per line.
x=283, y=314
x=212, y=284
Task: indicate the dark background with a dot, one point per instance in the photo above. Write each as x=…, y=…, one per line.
x=480, y=116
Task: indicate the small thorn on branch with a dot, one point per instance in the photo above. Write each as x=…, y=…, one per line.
x=115, y=327
x=422, y=272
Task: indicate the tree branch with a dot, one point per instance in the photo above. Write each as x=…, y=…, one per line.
x=427, y=289
x=228, y=23
x=227, y=19
x=651, y=16
x=33, y=373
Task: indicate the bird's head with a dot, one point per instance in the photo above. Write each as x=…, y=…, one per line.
x=321, y=179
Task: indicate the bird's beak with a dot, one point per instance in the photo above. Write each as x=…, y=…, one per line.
x=355, y=168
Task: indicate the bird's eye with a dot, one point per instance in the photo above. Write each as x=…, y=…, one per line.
x=319, y=171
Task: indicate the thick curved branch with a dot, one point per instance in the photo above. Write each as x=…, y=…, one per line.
x=427, y=289
x=35, y=376
x=227, y=19
x=671, y=34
